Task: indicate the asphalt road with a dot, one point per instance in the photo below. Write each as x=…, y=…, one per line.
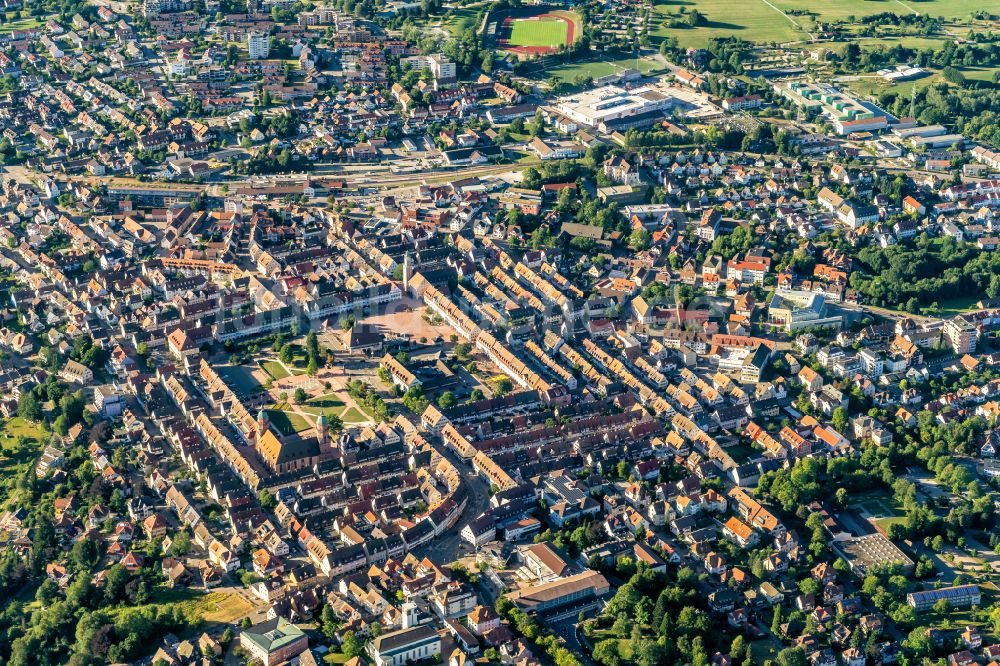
x=451, y=547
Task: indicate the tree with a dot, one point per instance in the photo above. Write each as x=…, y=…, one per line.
x=739, y=650
x=300, y=395
x=639, y=240
x=328, y=621
x=47, y=592
x=606, y=652
x=181, y=544
x=334, y=423
x=267, y=500
x=446, y=400
x=351, y=645
x=839, y=419
x=792, y=657
x=952, y=75
x=28, y=407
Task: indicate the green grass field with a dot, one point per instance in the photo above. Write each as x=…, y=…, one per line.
x=538, y=32
x=752, y=20
x=570, y=71
x=883, y=509
x=353, y=415
x=275, y=369
x=979, y=73
x=20, y=24
x=16, y=458
x=756, y=21
x=213, y=609
x=287, y=423
x=330, y=405
x=459, y=19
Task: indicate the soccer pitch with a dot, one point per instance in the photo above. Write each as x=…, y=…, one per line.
x=538, y=32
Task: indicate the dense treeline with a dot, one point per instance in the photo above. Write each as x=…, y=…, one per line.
x=926, y=272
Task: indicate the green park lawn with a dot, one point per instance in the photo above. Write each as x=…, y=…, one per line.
x=275, y=369
x=353, y=415
x=286, y=422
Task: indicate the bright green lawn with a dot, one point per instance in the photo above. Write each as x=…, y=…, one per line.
x=353, y=415
x=329, y=404
x=538, y=32
x=18, y=427
x=275, y=369
x=20, y=24
x=979, y=73
x=287, y=423
x=570, y=71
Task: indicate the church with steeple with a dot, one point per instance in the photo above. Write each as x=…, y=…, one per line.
x=286, y=453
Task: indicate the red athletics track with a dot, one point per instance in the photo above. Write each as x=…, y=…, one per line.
x=536, y=50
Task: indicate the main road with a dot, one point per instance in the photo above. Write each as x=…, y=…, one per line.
x=450, y=547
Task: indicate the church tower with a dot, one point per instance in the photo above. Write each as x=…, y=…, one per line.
x=262, y=423
x=407, y=271
x=322, y=432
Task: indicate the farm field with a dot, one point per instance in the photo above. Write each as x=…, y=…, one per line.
x=777, y=20
x=752, y=21
x=538, y=32
x=842, y=9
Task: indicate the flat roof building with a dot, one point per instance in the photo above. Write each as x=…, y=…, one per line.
x=959, y=596
x=864, y=553
x=547, y=596
x=612, y=103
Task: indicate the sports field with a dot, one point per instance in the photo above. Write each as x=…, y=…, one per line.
x=595, y=69
x=538, y=34
x=538, y=31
